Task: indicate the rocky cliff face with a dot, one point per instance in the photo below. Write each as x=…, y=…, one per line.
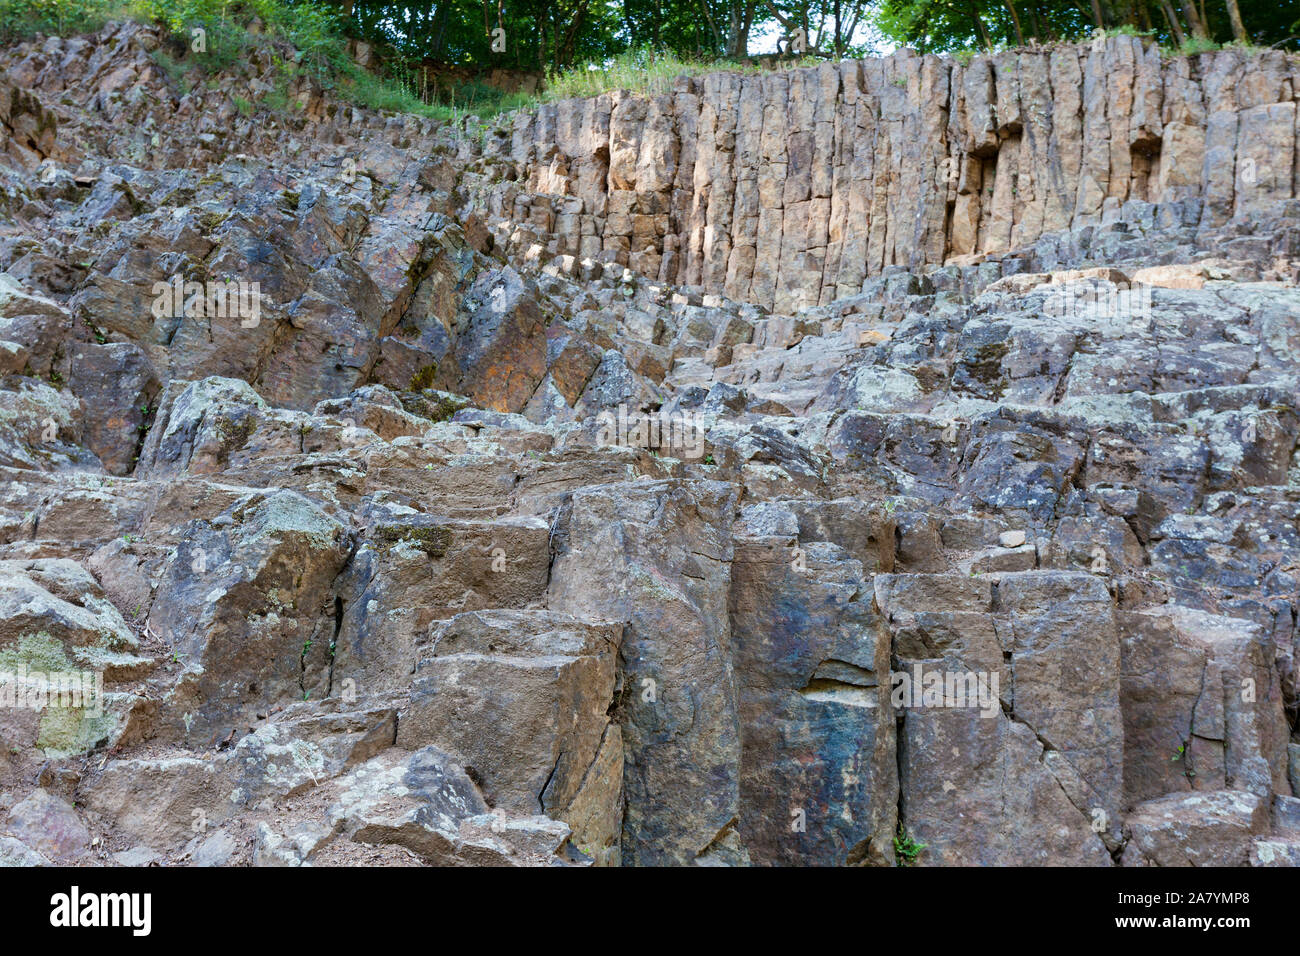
x=790, y=189
x=792, y=469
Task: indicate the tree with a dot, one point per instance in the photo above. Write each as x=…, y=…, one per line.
x=537, y=34
x=1234, y=17
x=827, y=28
x=695, y=28
x=936, y=26
x=552, y=35
x=953, y=25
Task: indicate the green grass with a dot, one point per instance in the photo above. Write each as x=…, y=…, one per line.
x=646, y=71
x=1192, y=46
x=1246, y=47
x=1128, y=30
x=399, y=93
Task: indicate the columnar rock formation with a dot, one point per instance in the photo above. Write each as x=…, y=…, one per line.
x=588, y=494
x=790, y=189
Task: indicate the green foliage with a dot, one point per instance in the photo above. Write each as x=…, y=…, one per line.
x=1128, y=30
x=174, y=69
x=949, y=26
x=584, y=49
x=645, y=70
x=20, y=19
x=1192, y=46
x=906, y=849
x=683, y=28
x=536, y=34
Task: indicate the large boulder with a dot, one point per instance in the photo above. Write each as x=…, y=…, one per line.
x=246, y=603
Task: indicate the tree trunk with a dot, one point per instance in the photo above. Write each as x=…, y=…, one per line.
x=1015, y=21
x=1035, y=28
x=1175, y=27
x=733, y=30
x=567, y=45
x=979, y=25
x=1194, y=20
x=1097, y=16
x=719, y=41
x=1238, y=28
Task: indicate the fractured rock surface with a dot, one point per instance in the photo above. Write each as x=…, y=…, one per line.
x=887, y=462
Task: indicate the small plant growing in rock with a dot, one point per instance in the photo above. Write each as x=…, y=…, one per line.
x=1179, y=753
x=906, y=849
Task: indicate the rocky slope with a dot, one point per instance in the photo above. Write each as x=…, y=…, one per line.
x=370, y=573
